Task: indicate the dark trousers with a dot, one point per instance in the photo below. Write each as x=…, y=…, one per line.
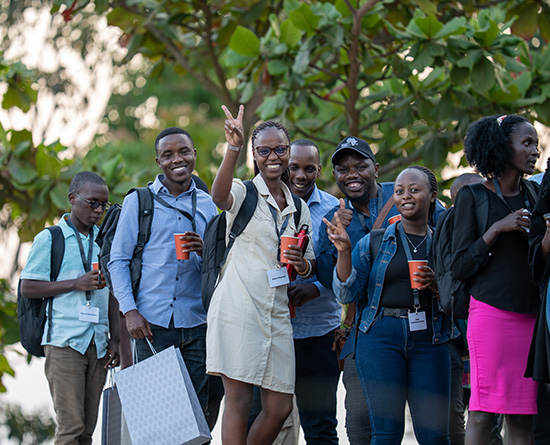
x=456, y=417
x=317, y=376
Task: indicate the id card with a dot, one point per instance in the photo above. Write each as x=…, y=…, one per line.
x=417, y=321
x=89, y=314
x=277, y=277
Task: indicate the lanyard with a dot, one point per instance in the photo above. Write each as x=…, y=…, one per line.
x=86, y=262
x=277, y=231
x=183, y=212
x=416, y=294
x=380, y=202
x=499, y=194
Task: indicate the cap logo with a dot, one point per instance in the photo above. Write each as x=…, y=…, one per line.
x=352, y=141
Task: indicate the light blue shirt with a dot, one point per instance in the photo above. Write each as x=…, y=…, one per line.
x=322, y=315
x=67, y=329
x=169, y=287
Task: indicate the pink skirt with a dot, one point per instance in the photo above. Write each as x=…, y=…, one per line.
x=499, y=343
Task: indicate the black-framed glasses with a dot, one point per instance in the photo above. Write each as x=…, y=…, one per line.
x=280, y=150
x=95, y=204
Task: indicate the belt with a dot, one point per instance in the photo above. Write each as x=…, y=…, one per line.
x=395, y=312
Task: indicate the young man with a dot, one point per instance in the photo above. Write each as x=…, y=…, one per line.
x=318, y=312
x=76, y=341
x=168, y=307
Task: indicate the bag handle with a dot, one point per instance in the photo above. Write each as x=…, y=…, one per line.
x=134, y=350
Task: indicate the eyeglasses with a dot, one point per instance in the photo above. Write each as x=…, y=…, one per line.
x=95, y=204
x=280, y=150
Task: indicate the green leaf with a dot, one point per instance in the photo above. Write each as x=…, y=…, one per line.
x=471, y=58
x=303, y=18
x=233, y=60
x=245, y=42
x=456, y=26
x=488, y=33
x=459, y=75
x=544, y=29
x=483, y=76
x=58, y=195
x=277, y=67
x=290, y=35
x=503, y=97
x=21, y=171
x=302, y=60
x=268, y=108
x=126, y=20
x=428, y=25
x=110, y=167
x=290, y=5
x=526, y=24
x=47, y=166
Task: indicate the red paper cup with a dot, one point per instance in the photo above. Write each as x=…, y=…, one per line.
x=95, y=266
x=394, y=219
x=413, y=267
x=180, y=255
x=285, y=242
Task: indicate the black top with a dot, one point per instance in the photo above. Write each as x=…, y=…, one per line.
x=499, y=276
x=397, y=292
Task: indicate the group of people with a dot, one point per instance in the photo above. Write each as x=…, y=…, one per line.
x=270, y=340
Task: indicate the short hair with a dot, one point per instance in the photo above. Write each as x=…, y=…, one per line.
x=432, y=184
x=462, y=180
x=171, y=130
x=82, y=178
x=305, y=143
x=487, y=144
x=267, y=125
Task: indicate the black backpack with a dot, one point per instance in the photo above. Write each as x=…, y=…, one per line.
x=31, y=312
x=215, y=250
x=107, y=232
x=455, y=294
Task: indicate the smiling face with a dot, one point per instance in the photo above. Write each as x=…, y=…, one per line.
x=524, y=144
x=176, y=158
x=83, y=215
x=412, y=195
x=356, y=176
x=273, y=166
x=304, y=169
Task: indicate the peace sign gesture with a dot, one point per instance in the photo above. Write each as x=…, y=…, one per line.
x=337, y=232
x=234, y=133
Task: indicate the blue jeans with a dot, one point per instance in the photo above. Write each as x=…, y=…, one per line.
x=396, y=365
x=317, y=376
x=192, y=344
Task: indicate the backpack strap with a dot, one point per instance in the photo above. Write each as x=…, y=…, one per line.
x=481, y=205
x=145, y=199
x=298, y=212
x=183, y=212
x=57, y=253
x=243, y=216
x=383, y=213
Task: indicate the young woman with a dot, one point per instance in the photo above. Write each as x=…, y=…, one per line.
x=249, y=336
x=504, y=298
x=401, y=352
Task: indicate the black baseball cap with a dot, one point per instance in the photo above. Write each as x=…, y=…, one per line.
x=352, y=143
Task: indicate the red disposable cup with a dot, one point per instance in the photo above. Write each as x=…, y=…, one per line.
x=95, y=266
x=394, y=219
x=413, y=267
x=180, y=255
x=285, y=242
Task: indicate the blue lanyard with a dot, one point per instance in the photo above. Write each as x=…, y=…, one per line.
x=277, y=231
x=86, y=262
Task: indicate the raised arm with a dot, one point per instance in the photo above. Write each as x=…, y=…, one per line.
x=234, y=134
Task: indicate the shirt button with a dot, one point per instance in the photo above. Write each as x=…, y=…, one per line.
x=177, y=279
x=174, y=298
x=171, y=305
x=179, y=218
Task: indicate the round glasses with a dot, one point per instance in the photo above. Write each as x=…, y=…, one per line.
x=95, y=204
x=280, y=150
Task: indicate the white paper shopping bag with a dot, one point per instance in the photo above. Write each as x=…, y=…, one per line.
x=159, y=402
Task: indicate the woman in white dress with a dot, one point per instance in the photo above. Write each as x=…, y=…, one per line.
x=249, y=336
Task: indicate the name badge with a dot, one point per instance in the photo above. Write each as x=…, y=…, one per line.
x=277, y=277
x=89, y=314
x=417, y=321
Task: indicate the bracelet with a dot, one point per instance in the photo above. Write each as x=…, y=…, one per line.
x=305, y=273
x=233, y=148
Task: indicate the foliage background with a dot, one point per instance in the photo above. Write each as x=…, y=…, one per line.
x=106, y=76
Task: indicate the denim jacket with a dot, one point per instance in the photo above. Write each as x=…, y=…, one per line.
x=363, y=275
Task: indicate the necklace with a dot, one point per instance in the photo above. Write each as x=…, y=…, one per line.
x=415, y=248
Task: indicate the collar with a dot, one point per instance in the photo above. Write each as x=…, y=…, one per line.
x=264, y=191
x=68, y=231
x=158, y=187
x=315, y=196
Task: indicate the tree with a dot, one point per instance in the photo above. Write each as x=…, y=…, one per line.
x=407, y=76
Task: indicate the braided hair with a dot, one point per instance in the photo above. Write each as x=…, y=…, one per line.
x=487, y=144
x=432, y=184
x=266, y=126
